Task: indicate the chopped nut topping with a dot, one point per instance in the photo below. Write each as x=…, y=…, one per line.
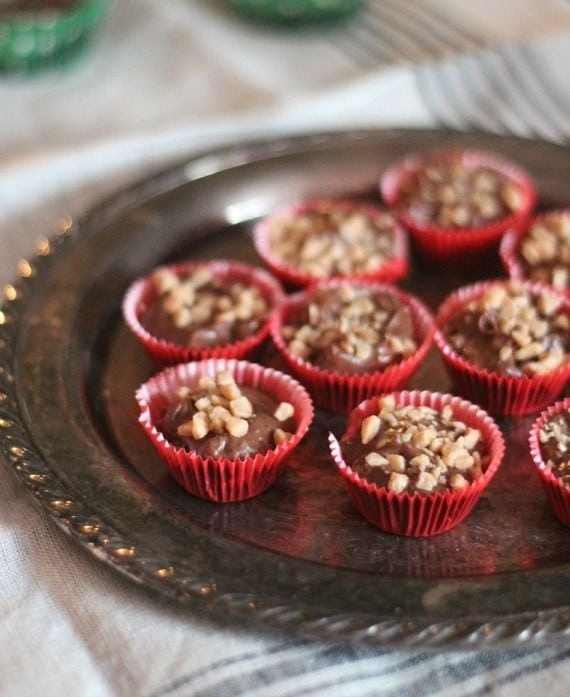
x=280, y=436
x=545, y=250
x=511, y=330
x=375, y=460
x=455, y=195
x=284, y=411
x=356, y=328
x=416, y=449
x=554, y=437
x=329, y=240
x=398, y=482
x=369, y=428
x=221, y=407
x=197, y=300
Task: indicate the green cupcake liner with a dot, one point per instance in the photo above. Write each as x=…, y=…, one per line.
x=295, y=11
x=31, y=41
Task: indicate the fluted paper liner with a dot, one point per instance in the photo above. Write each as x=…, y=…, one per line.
x=142, y=292
x=341, y=392
x=419, y=515
x=460, y=246
x=558, y=495
x=391, y=271
x=502, y=395
x=221, y=479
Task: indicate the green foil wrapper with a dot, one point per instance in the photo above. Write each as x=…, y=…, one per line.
x=295, y=11
x=31, y=41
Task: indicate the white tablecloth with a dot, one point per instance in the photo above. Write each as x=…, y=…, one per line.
x=168, y=77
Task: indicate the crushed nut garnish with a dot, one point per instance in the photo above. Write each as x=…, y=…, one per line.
x=546, y=250
x=409, y=448
x=455, y=195
x=222, y=408
x=511, y=330
x=554, y=437
x=330, y=241
x=363, y=326
x=200, y=299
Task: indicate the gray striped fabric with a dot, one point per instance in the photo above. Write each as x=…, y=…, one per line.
x=514, y=89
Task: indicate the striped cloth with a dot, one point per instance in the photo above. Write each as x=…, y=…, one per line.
x=155, y=88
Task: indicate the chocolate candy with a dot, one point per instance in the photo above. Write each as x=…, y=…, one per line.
x=202, y=311
x=416, y=449
x=554, y=440
x=453, y=195
x=545, y=250
x=352, y=329
x=219, y=419
x=511, y=330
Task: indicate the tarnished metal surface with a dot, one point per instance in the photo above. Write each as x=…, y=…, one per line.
x=299, y=556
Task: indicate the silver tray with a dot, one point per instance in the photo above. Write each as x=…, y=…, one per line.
x=298, y=557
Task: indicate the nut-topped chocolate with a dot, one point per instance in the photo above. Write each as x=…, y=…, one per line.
x=325, y=240
x=454, y=195
x=198, y=309
x=512, y=330
x=416, y=449
x=554, y=440
x=348, y=328
x=218, y=418
x=545, y=250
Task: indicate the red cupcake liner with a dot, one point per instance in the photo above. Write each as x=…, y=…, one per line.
x=222, y=480
x=509, y=251
x=393, y=270
x=143, y=292
x=341, y=392
x=501, y=395
x=419, y=515
x=464, y=246
x=558, y=495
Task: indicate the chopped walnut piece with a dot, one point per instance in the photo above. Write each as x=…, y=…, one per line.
x=280, y=436
x=284, y=411
x=398, y=482
x=369, y=429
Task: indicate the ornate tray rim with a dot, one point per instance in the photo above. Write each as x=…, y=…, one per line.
x=78, y=519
